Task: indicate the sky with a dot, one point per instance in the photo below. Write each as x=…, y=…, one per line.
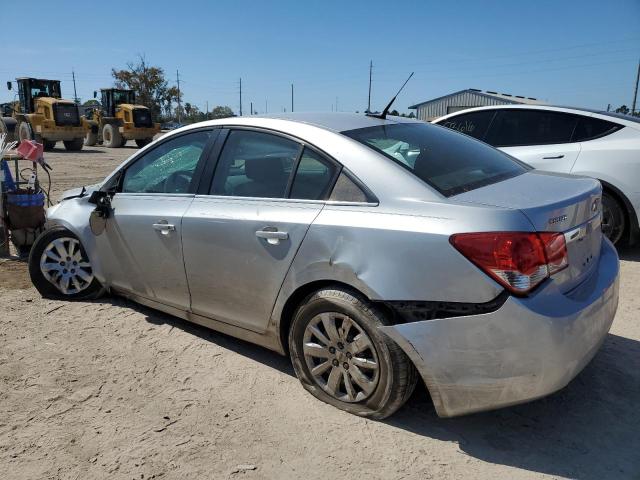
x=579, y=53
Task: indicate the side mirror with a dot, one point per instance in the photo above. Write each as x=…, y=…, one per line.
x=99, y=215
x=9, y=86
x=95, y=94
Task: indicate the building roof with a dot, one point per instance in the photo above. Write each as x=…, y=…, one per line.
x=489, y=94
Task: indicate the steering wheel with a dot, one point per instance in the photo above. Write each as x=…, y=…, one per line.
x=177, y=182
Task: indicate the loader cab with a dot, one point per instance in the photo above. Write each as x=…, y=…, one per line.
x=113, y=97
x=30, y=89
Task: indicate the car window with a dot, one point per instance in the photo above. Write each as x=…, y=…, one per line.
x=589, y=128
x=169, y=167
x=530, y=127
x=474, y=124
x=346, y=190
x=254, y=164
x=313, y=177
x=449, y=162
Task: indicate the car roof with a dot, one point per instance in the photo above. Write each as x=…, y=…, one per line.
x=612, y=117
x=334, y=122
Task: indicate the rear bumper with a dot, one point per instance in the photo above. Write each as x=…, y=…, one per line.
x=528, y=348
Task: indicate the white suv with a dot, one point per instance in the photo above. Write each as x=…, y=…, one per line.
x=602, y=145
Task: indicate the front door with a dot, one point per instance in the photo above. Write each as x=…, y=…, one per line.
x=240, y=238
x=141, y=248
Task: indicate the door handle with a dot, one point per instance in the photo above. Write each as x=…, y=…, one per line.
x=164, y=228
x=553, y=158
x=271, y=235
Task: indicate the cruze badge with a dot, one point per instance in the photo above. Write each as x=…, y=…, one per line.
x=559, y=219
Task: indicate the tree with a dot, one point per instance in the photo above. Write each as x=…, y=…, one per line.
x=150, y=85
x=221, y=112
x=623, y=109
x=91, y=103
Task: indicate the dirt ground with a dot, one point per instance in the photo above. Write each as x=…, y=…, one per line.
x=108, y=389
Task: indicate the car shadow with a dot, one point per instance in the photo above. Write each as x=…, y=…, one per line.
x=589, y=430
x=246, y=349
x=628, y=253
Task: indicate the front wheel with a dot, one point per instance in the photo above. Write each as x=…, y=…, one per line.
x=143, y=142
x=25, y=132
x=614, y=221
x=341, y=357
x=74, y=145
x=60, y=268
x=111, y=136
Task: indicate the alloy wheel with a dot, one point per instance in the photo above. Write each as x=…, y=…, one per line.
x=341, y=357
x=65, y=266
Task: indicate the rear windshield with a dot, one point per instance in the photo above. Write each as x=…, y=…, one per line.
x=450, y=162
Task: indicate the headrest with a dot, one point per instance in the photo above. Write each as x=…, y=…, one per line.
x=269, y=169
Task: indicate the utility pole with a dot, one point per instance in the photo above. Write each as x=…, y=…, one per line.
x=240, y=96
x=292, y=97
x=370, y=71
x=207, y=109
x=635, y=92
x=179, y=104
x=251, y=108
x=265, y=106
x=75, y=94
x=337, y=104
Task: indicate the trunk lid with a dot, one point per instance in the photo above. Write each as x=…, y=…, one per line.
x=553, y=202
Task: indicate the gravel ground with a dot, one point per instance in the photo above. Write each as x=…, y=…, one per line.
x=108, y=389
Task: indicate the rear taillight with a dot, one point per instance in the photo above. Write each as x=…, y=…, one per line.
x=517, y=260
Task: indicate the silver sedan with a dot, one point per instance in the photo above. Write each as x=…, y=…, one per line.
x=372, y=251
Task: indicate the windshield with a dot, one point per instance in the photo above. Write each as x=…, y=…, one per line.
x=123, y=96
x=45, y=88
x=450, y=162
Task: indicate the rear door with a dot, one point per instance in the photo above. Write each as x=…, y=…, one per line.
x=241, y=235
x=540, y=138
x=141, y=247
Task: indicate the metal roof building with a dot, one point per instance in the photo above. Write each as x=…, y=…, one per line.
x=464, y=99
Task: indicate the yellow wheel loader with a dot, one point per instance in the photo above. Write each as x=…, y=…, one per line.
x=119, y=119
x=42, y=115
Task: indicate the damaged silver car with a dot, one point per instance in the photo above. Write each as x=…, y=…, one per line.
x=372, y=251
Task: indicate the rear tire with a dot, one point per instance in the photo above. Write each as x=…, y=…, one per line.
x=111, y=136
x=51, y=264
x=614, y=219
x=74, y=145
x=350, y=365
x=143, y=142
x=48, y=145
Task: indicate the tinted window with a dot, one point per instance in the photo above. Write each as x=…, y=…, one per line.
x=530, y=127
x=449, y=162
x=313, y=177
x=589, y=128
x=254, y=164
x=474, y=124
x=346, y=190
x=169, y=167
